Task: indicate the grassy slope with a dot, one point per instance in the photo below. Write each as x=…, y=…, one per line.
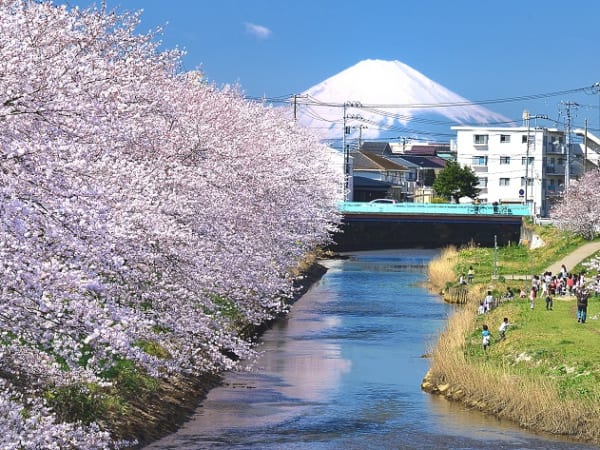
x=545, y=375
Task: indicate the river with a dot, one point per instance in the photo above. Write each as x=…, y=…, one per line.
x=343, y=371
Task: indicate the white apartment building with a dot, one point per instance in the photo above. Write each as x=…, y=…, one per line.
x=525, y=165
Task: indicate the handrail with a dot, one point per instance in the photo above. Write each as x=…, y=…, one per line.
x=434, y=208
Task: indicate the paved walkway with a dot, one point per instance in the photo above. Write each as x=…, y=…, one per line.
x=575, y=257
x=570, y=260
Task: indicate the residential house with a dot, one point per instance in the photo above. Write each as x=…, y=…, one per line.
x=418, y=174
x=372, y=166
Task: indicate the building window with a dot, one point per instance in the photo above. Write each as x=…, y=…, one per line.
x=480, y=139
x=505, y=138
x=479, y=161
x=524, y=160
x=483, y=181
x=523, y=181
x=504, y=181
x=505, y=160
x=524, y=139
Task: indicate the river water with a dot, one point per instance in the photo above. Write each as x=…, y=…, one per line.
x=343, y=371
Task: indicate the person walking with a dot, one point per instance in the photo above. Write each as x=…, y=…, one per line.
x=503, y=328
x=582, y=296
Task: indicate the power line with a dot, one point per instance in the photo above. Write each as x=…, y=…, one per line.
x=309, y=100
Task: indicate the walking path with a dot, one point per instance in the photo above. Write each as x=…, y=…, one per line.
x=575, y=257
x=570, y=260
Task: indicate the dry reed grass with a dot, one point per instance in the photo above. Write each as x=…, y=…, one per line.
x=532, y=402
x=441, y=270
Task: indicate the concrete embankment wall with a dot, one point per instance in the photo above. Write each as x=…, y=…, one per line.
x=362, y=232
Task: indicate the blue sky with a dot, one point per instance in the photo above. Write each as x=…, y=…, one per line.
x=480, y=49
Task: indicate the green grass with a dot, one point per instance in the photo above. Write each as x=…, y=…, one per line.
x=516, y=259
x=542, y=343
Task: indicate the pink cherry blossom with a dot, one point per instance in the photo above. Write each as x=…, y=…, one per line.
x=139, y=204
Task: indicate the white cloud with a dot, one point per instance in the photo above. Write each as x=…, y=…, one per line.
x=258, y=30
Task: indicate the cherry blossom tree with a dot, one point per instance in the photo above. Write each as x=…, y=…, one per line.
x=141, y=208
x=579, y=210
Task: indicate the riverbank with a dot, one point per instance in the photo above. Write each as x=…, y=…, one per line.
x=162, y=410
x=543, y=376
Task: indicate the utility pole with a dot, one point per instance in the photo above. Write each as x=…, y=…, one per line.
x=345, y=146
x=596, y=90
x=495, y=277
x=360, y=128
x=568, y=144
x=528, y=117
x=295, y=104
x=585, y=144
x=346, y=154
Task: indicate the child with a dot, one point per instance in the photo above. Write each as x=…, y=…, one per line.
x=488, y=301
x=481, y=309
x=470, y=274
x=503, y=327
x=485, y=334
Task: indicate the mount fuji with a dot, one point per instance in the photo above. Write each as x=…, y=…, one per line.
x=382, y=97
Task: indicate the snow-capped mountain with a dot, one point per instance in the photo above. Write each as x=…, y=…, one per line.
x=392, y=96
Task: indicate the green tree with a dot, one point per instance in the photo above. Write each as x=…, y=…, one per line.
x=455, y=181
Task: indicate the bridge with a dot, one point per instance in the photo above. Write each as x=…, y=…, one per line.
x=370, y=226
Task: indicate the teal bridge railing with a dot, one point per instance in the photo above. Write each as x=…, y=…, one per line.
x=434, y=208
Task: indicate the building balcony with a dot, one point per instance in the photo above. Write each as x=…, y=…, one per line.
x=554, y=149
x=555, y=170
x=479, y=168
x=553, y=191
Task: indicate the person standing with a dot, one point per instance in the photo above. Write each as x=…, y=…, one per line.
x=582, y=296
x=532, y=295
x=470, y=274
x=486, y=336
x=563, y=272
x=481, y=309
x=549, y=302
x=488, y=301
x=570, y=284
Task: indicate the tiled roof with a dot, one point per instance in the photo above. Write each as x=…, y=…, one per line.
x=364, y=160
x=428, y=150
x=429, y=162
x=381, y=148
x=383, y=162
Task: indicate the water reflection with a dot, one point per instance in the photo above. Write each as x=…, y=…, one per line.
x=343, y=371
